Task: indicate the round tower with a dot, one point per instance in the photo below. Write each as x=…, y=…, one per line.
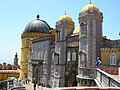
x=34, y=29
x=90, y=20
x=64, y=27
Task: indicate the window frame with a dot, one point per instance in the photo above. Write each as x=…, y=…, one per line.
x=113, y=59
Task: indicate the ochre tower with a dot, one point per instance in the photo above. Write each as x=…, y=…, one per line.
x=34, y=29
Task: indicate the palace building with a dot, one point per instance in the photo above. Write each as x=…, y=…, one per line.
x=52, y=56
x=8, y=70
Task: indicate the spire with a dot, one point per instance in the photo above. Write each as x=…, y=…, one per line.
x=38, y=16
x=65, y=12
x=16, y=55
x=90, y=1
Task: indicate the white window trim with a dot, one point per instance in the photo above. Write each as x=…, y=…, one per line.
x=111, y=61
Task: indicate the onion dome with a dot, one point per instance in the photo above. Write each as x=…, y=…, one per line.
x=90, y=7
x=37, y=26
x=77, y=30
x=65, y=17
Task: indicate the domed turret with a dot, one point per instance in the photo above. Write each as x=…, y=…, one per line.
x=34, y=29
x=77, y=30
x=90, y=7
x=37, y=26
x=65, y=17
x=90, y=22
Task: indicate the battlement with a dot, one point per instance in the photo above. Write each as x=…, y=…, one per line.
x=110, y=49
x=7, y=67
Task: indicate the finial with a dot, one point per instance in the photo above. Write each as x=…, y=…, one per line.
x=90, y=1
x=38, y=16
x=65, y=12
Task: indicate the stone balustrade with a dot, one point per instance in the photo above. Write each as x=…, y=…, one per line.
x=101, y=78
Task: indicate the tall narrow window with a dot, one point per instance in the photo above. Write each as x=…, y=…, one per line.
x=56, y=58
x=112, y=59
x=82, y=59
x=52, y=61
x=58, y=35
x=53, y=56
x=74, y=56
x=41, y=56
x=68, y=56
x=38, y=56
x=45, y=55
x=33, y=56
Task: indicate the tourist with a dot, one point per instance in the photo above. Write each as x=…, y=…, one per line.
x=98, y=62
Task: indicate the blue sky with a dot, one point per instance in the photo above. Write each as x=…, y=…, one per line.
x=15, y=14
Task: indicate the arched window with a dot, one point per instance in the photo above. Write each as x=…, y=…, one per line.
x=83, y=57
x=35, y=55
x=68, y=56
x=74, y=56
x=45, y=55
x=53, y=56
x=38, y=55
x=82, y=61
x=112, y=59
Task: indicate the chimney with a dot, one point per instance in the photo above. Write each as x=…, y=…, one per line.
x=9, y=66
x=4, y=66
x=14, y=67
x=0, y=66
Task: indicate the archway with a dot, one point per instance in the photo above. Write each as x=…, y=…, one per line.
x=71, y=80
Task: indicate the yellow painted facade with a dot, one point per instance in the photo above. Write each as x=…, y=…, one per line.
x=25, y=51
x=4, y=76
x=105, y=55
x=77, y=30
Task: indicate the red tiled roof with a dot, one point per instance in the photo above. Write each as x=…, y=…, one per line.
x=9, y=71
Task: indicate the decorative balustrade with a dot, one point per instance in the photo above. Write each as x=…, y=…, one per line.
x=106, y=80
x=87, y=72
x=101, y=78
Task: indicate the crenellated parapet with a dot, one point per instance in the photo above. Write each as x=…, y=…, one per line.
x=110, y=49
x=7, y=67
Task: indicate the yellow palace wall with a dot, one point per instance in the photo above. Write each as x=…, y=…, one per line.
x=4, y=76
x=105, y=55
x=25, y=50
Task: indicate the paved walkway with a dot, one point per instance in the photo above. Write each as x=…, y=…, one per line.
x=31, y=87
